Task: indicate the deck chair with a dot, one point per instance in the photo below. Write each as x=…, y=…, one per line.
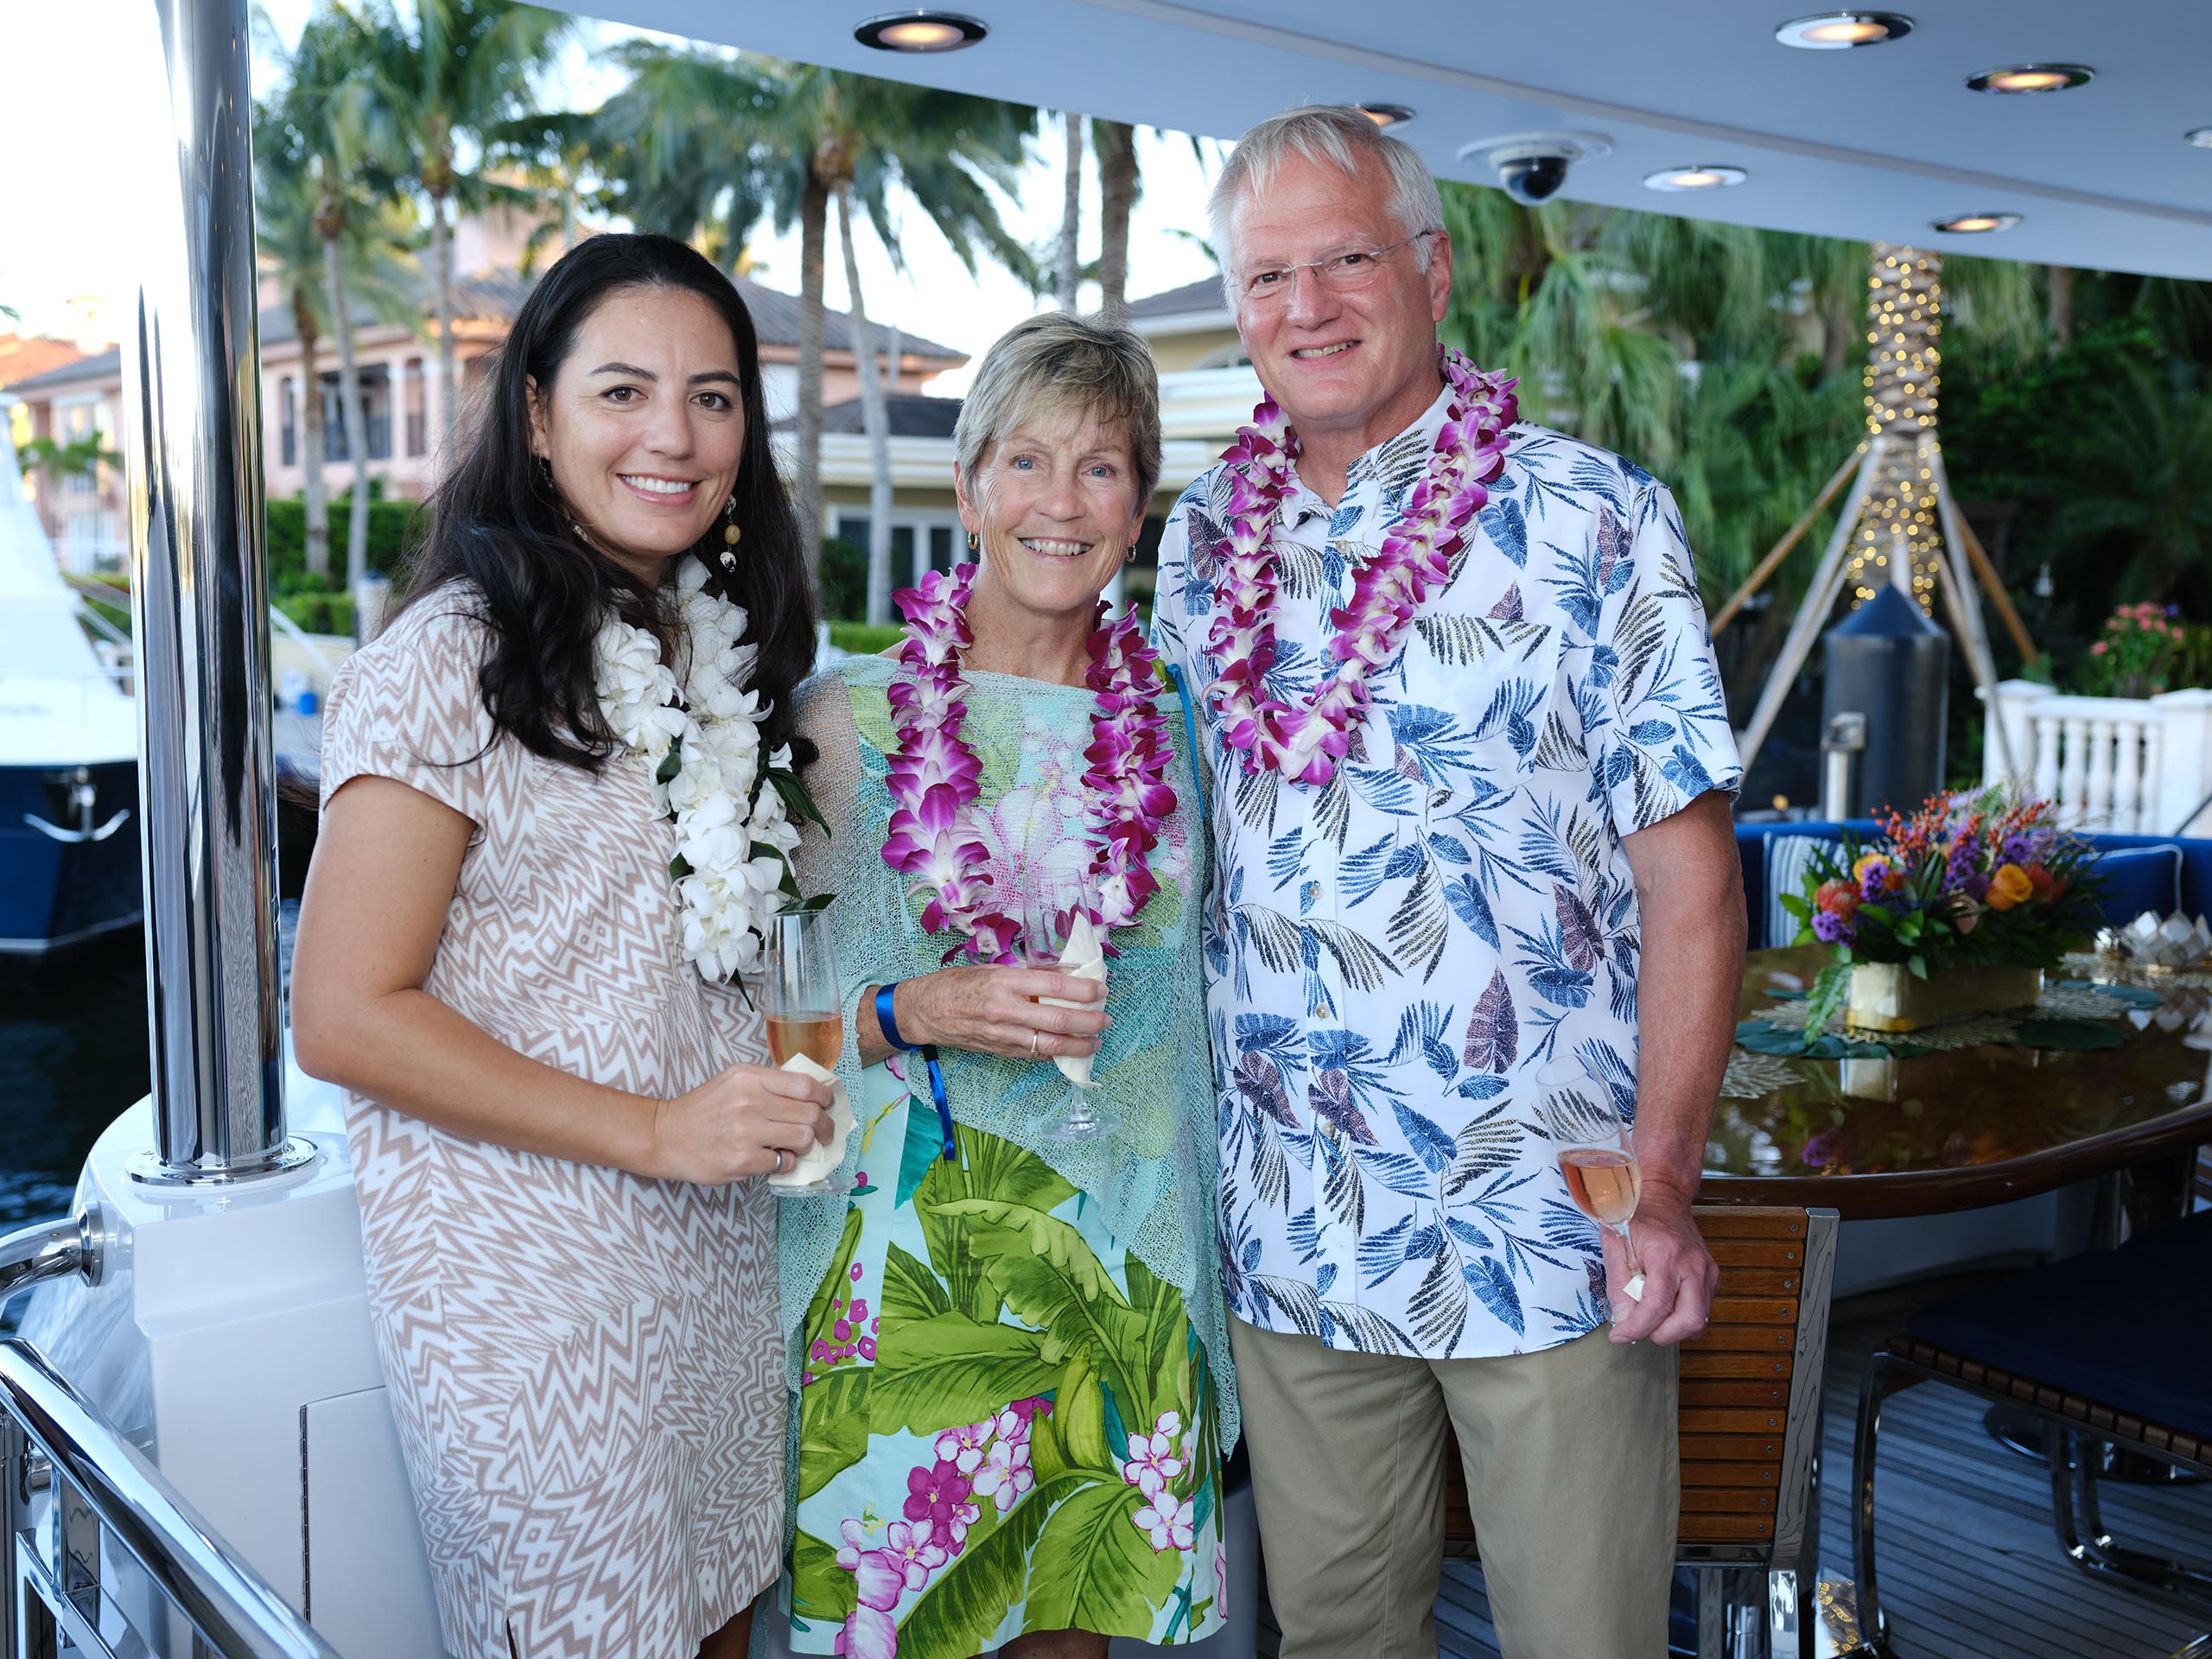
x=2109, y=1348
x=1750, y=1419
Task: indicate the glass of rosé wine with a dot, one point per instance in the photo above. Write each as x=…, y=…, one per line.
x=798, y=1005
x=1597, y=1156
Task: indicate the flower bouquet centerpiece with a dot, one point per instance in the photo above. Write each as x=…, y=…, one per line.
x=1957, y=909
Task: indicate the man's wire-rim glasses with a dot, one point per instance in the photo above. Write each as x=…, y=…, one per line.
x=1337, y=272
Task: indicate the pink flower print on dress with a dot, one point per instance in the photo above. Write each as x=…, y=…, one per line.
x=1154, y=1459
x=868, y=1633
x=933, y=1495
x=963, y=1447
x=1167, y=1519
x=855, y=1537
x=915, y=1550
x=880, y=1578
x=1006, y=1474
x=963, y=1517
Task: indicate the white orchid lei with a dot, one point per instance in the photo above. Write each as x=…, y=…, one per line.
x=700, y=739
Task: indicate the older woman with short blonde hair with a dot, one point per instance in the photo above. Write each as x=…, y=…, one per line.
x=1012, y=1377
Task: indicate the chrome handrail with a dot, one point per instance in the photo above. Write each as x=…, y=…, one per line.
x=103, y=1479
x=48, y=1250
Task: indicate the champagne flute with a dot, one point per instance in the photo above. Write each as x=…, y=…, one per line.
x=798, y=1002
x=1048, y=916
x=1596, y=1156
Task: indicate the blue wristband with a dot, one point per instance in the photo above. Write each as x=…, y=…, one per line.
x=888, y=1024
x=885, y=1019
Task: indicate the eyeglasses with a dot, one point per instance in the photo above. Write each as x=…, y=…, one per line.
x=1340, y=273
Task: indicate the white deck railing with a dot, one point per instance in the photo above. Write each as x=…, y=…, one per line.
x=2127, y=765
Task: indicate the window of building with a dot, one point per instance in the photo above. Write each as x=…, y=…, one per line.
x=288, y=404
x=936, y=532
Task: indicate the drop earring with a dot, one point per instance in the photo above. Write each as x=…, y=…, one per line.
x=973, y=542
x=731, y=536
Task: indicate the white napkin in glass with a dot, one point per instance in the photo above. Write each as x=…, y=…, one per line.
x=1084, y=957
x=818, y=1160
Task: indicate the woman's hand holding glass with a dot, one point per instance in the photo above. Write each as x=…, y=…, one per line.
x=992, y=1010
x=747, y=1120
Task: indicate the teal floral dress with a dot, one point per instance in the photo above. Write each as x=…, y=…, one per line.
x=1010, y=1365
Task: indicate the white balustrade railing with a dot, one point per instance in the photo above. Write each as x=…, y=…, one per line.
x=2132, y=765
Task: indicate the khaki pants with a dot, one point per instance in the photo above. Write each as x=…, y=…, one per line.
x=1570, y=1466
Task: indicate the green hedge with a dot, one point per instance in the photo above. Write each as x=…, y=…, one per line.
x=288, y=540
x=864, y=639
x=844, y=579
x=318, y=612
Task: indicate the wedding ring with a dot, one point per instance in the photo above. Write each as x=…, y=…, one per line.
x=1035, y=1036
x=780, y=1155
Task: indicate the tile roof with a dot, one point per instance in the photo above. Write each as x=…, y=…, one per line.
x=1204, y=294
x=912, y=416
x=101, y=366
x=23, y=356
x=775, y=316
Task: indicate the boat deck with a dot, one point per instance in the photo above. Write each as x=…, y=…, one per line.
x=1970, y=1568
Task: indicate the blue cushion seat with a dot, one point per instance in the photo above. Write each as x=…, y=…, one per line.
x=2122, y=1328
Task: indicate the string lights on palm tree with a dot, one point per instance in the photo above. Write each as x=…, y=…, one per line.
x=1904, y=303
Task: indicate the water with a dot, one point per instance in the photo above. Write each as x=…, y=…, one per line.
x=73, y=1057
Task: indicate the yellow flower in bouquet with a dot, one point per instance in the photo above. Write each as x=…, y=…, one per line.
x=2009, y=884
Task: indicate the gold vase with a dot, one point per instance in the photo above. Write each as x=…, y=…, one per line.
x=1885, y=996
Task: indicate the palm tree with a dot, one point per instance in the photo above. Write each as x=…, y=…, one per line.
x=1071, y=264
x=450, y=72
x=286, y=196
x=872, y=141
x=552, y=151
x=2146, y=456
x=328, y=100
x=702, y=138
x=1117, y=144
x=684, y=147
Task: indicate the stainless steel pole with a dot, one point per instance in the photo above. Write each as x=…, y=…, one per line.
x=206, y=771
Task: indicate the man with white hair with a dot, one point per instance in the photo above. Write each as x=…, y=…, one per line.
x=1470, y=766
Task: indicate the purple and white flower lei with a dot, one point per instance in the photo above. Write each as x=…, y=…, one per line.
x=1305, y=741
x=934, y=776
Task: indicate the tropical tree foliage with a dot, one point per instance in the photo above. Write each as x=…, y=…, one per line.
x=448, y=74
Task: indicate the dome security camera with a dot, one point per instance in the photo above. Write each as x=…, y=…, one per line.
x=1532, y=166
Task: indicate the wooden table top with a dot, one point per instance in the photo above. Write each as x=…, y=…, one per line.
x=1961, y=1128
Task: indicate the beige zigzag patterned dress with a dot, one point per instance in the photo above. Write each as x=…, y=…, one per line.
x=584, y=1364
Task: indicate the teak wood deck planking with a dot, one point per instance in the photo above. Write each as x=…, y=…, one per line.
x=1970, y=1568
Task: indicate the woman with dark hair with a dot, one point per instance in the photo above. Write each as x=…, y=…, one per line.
x=550, y=837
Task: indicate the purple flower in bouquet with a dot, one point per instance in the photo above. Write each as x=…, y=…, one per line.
x=1832, y=929
x=2018, y=850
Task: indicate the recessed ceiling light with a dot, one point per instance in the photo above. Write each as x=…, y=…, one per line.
x=2033, y=77
x=1839, y=31
x=1695, y=178
x=1386, y=115
x=2201, y=136
x=919, y=31
x=1976, y=223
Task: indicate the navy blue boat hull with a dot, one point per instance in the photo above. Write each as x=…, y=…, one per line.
x=54, y=894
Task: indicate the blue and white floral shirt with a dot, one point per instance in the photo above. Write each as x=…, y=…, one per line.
x=1394, y=960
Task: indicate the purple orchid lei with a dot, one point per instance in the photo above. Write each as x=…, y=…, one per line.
x=1305, y=741
x=934, y=776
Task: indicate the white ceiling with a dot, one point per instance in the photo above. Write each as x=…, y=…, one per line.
x=1873, y=143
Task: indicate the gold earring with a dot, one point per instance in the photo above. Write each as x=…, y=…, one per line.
x=971, y=541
